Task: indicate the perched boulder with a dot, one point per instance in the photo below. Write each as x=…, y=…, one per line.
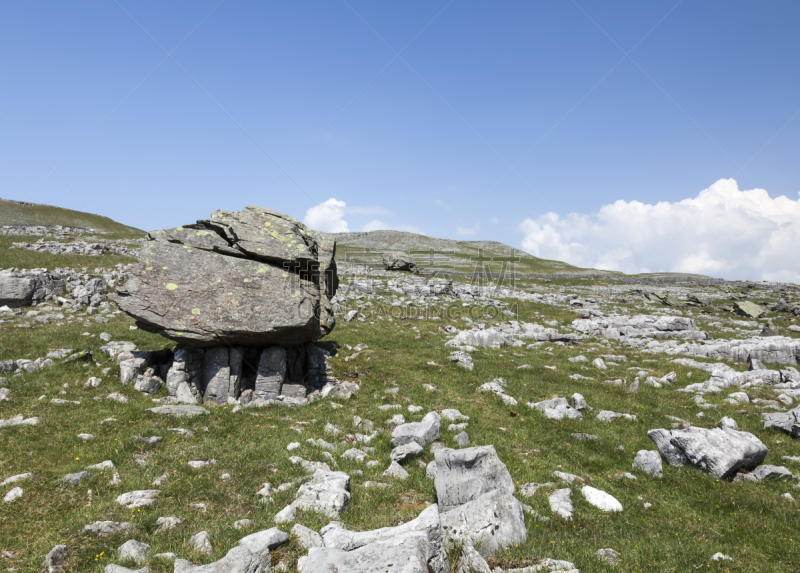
x=465, y=475
x=253, y=277
x=720, y=452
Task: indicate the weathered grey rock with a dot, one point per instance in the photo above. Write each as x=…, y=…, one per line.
x=398, y=261
x=179, y=411
x=462, y=439
x=471, y=561
x=271, y=373
x=268, y=280
x=556, y=409
x=608, y=555
x=560, y=503
x=720, y=452
x=26, y=287
x=286, y=515
x=401, y=554
x=430, y=470
x=13, y=494
x=266, y=540
x=789, y=421
x=491, y=522
x=578, y=401
x=18, y=420
x=56, y=559
x=406, y=452
x=336, y=536
x=649, y=462
x=103, y=528
x=465, y=475
x=201, y=543
x=114, y=568
x=77, y=477
x=140, y=498
x=147, y=384
x=452, y=415
x=136, y=550
x=609, y=416
x=462, y=359
x=395, y=470
x=306, y=538
x=749, y=309
x=728, y=423
x=770, y=472
x=237, y=560
x=423, y=432
x=167, y=523
x=327, y=492
x=600, y=499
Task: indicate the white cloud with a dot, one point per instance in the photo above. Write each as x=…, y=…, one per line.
x=723, y=232
x=375, y=225
x=327, y=217
x=494, y=221
x=468, y=231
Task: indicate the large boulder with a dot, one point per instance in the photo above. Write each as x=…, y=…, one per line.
x=465, y=475
x=398, y=261
x=252, y=278
x=491, y=522
x=749, y=309
x=720, y=452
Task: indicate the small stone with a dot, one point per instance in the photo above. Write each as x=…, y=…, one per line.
x=243, y=523
x=608, y=555
x=461, y=439
x=13, y=495
x=402, y=454
x=167, y=523
x=395, y=470
x=201, y=543
x=286, y=515
x=600, y=499
x=56, y=559
x=649, y=462
x=135, y=550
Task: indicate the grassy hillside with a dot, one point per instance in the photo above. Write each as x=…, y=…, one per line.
x=460, y=256
x=19, y=213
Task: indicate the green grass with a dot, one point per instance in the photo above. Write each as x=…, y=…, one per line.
x=27, y=259
x=693, y=515
x=13, y=212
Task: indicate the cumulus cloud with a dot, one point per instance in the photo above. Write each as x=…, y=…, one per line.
x=375, y=225
x=468, y=231
x=723, y=232
x=327, y=217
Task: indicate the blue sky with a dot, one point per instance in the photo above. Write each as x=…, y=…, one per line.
x=492, y=115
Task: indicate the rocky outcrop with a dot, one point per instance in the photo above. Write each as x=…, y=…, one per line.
x=246, y=278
